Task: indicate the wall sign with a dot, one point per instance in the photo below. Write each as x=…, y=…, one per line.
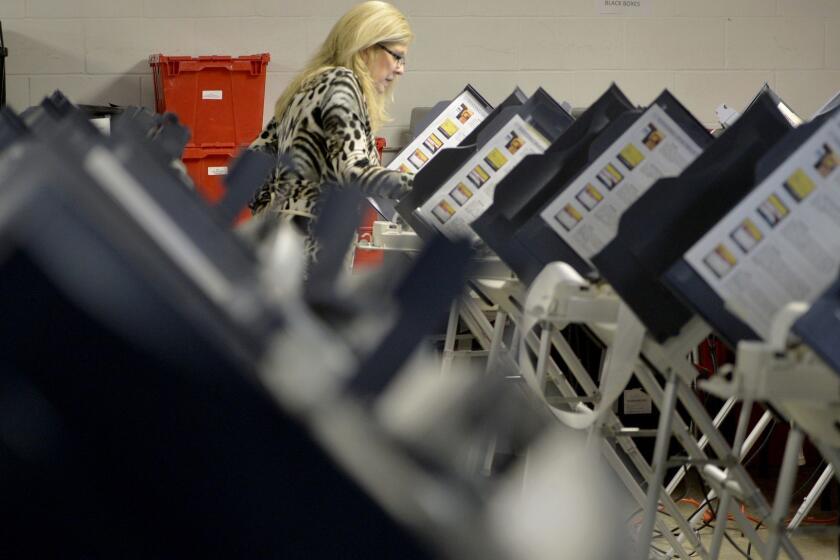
x=624, y=7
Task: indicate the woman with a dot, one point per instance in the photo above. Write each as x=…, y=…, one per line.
x=324, y=120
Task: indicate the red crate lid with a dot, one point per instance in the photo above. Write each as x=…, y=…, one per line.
x=162, y=58
x=254, y=63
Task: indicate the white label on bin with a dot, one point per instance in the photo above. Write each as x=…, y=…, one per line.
x=211, y=94
x=217, y=170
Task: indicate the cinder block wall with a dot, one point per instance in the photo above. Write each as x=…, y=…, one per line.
x=705, y=51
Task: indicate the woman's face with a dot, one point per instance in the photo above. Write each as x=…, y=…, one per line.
x=386, y=64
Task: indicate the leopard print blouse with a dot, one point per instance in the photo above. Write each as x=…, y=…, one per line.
x=327, y=134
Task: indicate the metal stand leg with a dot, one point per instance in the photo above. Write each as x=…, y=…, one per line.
x=756, y=432
x=449, y=341
x=697, y=519
x=639, y=495
x=542, y=362
x=496, y=344
x=544, y=353
x=726, y=496
x=811, y=498
x=660, y=464
x=497, y=341
x=783, y=492
x=721, y=416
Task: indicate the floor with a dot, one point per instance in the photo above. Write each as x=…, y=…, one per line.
x=813, y=543
x=816, y=540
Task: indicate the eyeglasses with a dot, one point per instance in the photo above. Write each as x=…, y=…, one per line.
x=399, y=59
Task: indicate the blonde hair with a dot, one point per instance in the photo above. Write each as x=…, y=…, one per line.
x=362, y=27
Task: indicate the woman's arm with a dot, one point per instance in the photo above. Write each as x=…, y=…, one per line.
x=266, y=142
x=346, y=130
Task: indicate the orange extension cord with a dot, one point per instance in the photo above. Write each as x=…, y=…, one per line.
x=708, y=516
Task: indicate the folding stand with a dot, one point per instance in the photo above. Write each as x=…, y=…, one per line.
x=505, y=295
x=796, y=382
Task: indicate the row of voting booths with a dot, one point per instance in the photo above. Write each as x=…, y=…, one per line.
x=172, y=386
x=636, y=233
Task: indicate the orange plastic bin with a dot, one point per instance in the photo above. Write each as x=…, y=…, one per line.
x=208, y=168
x=219, y=97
